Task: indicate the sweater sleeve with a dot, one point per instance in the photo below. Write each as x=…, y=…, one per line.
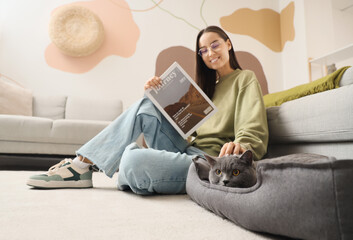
x=250, y=121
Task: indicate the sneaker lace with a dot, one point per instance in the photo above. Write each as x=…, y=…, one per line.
x=58, y=165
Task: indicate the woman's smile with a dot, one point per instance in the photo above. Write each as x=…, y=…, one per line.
x=213, y=60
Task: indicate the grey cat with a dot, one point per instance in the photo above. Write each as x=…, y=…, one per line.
x=230, y=171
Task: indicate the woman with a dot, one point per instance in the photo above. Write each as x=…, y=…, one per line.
x=240, y=124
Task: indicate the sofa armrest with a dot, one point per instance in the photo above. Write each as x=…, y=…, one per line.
x=321, y=117
x=347, y=77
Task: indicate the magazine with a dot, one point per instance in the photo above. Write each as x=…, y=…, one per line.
x=181, y=101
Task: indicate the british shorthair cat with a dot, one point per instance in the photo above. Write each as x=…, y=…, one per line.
x=230, y=171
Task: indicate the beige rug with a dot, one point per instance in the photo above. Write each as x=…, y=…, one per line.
x=104, y=213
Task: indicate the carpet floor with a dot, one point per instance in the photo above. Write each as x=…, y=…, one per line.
x=105, y=213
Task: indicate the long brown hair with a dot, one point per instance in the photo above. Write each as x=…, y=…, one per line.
x=206, y=78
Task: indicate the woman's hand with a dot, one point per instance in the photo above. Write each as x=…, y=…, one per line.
x=153, y=82
x=231, y=148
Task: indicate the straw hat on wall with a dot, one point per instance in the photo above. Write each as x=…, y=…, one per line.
x=76, y=31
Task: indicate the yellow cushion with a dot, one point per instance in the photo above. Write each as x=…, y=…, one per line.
x=328, y=82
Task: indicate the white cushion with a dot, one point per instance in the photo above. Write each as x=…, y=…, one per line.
x=14, y=128
x=75, y=131
x=38, y=148
x=93, y=109
x=52, y=107
x=14, y=99
x=45, y=130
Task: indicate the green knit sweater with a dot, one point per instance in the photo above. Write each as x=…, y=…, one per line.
x=241, y=116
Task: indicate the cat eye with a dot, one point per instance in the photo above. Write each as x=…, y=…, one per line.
x=236, y=172
x=218, y=172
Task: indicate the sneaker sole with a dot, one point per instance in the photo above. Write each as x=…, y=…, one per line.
x=60, y=184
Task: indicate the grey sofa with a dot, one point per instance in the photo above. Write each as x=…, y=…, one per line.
x=58, y=127
x=321, y=123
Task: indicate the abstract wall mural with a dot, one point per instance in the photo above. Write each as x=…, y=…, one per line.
x=121, y=36
x=269, y=27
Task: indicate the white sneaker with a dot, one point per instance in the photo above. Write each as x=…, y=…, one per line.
x=65, y=174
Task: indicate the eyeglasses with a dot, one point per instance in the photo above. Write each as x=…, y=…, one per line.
x=215, y=46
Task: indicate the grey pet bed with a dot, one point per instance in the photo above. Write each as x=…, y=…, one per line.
x=302, y=196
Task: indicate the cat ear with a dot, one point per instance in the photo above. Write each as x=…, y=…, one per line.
x=195, y=158
x=211, y=160
x=202, y=167
x=247, y=157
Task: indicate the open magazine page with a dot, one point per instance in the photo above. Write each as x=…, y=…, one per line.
x=181, y=101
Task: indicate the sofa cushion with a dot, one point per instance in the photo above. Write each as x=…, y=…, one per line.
x=76, y=131
x=93, y=109
x=18, y=128
x=11, y=147
x=15, y=99
x=45, y=130
x=322, y=117
x=52, y=107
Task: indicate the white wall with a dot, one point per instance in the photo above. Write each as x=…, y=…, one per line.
x=343, y=32
x=319, y=27
x=319, y=31
x=294, y=57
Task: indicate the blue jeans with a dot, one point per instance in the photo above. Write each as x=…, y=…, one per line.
x=161, y=168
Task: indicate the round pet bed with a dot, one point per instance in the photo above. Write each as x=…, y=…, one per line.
x=302, y=196
x=76, y=31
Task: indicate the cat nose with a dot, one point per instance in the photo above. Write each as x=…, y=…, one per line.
x=225, y=182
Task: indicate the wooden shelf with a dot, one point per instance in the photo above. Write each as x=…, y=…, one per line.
x=331, y=58
x=335, y=56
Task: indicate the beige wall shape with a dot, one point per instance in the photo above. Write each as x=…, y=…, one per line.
x=271, y=28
